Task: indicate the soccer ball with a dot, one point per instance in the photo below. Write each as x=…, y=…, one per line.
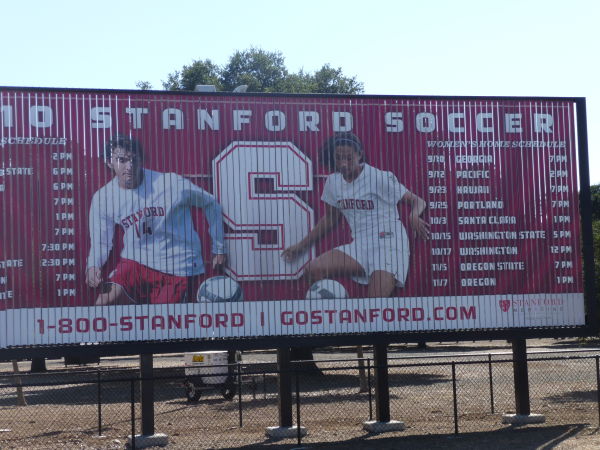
x=220, y=289
x=325, y=290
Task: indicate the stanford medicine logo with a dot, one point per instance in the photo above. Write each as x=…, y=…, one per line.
x=504, y=305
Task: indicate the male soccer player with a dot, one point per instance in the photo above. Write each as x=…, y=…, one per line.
x=161, y=257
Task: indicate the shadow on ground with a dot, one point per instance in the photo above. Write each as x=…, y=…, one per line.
x=515, y=438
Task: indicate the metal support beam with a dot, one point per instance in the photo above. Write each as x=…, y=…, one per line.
x=284, y=387
x=147, y=393
x=522, y=404
x=382, y=385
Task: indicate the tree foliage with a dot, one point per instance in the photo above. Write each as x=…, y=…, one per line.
x=595, y=190
x=199, y=72
x=144, y=85
x=331, y=81
x=261, y=71
x=596, y=239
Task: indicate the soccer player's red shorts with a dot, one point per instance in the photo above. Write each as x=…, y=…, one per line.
x=145, y=285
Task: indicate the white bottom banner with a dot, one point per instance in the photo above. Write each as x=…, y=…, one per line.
x=120, y=323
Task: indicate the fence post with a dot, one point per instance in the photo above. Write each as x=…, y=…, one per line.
x=361, y=369
x=99, y=404
x=598, y=385
x=132, y=414
x=298, y=407
x=370, y=389
x=491, y=382
x=20, y=396
x=455, y=402
x=254, y=387
x=239, y=384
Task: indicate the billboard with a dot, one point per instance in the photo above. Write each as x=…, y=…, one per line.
x=157, y=216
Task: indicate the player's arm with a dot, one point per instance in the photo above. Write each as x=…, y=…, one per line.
x=112, y=296
x=101, y=238
x=93, y=276
x=214, y=215
x=417, y=207
x=324, y=225
x=219, y=260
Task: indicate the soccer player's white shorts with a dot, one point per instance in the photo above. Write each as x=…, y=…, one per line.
x=388, y=251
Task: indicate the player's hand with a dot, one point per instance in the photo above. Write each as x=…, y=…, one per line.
x=291, y=253
x=113, y=294
x=420, y=228
x=93, y=276
x=218, y=261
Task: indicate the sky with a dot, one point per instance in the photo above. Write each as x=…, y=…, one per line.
x=397, y=47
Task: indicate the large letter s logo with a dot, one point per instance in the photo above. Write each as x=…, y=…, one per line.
x=250, y=213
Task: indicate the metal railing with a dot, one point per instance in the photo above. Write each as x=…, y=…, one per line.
x=432, y=394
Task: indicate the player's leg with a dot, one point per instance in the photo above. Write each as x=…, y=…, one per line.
x=115, y=295
x=123, y=285
x=331, y=264
x=386, y=258
x=381, y=284
x=170, y=289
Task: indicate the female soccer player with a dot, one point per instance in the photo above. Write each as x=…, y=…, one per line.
x=378, y=254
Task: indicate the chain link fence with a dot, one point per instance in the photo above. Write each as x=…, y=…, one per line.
x=100, y=407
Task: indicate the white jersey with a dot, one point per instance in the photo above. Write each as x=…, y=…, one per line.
x=369, y=203
x=157, y=222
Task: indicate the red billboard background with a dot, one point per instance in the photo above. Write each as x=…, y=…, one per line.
x=499, y=177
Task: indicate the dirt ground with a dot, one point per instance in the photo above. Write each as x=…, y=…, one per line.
x=332, y=410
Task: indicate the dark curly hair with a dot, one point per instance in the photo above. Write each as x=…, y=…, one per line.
x=128, y=144
x=339, y=139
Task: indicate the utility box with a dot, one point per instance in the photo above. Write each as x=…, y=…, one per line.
x=211, y=366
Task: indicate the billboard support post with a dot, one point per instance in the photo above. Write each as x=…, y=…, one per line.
x=148, y=438
x=284, y=386
x=286, y=429
x=519, y=349
x=38, y=365
x=382, y=385
x=147, y=393
x=382, y=422
x=522, y=406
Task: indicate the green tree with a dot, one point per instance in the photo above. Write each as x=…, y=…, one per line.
x=199, y=72
x=331, y=81
x=596, y=240
x=596, y=230
x=261, y=71
x=595, y=190
x=144, y=85
x=297, y=83
x=326, y=80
